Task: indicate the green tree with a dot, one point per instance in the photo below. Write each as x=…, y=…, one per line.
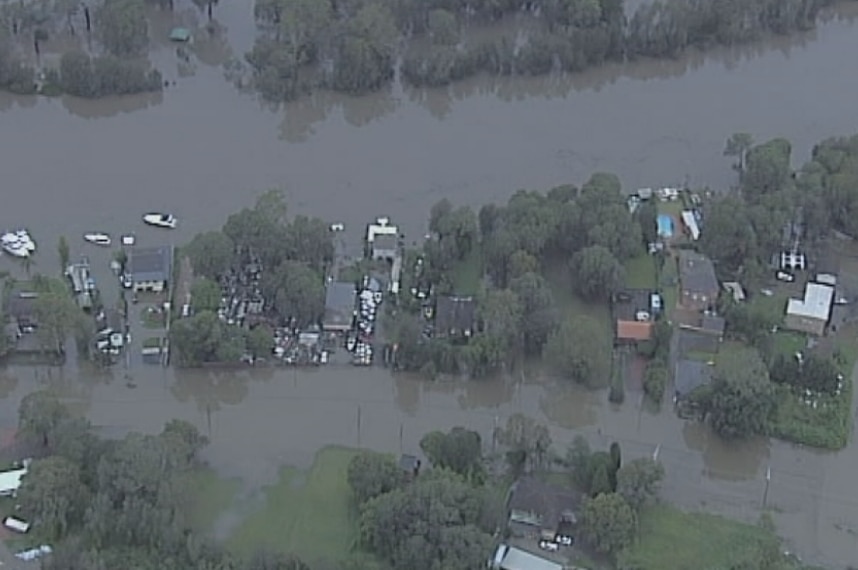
x=40, y=416
x=647, y=217
x=443, y=27
x=271, y=560
x=298, y=292
x=527, y=442
x=539, y=311
x=767, y=168
x=205, y=295
x=728, y=237
x=737, y=146
x=598, y=274
x=211, y=254
x=655, y=380
x=52, y=494
x=260, y=341
x=601, y=480
x=578, y=459
x=578, y=351
x=366, y=50
x=638, y=481
x=500, y=313
x=63, y=252
x=608, y=523
x=372, y=474
x=740, y=399
x=123, y=27
x=205, y=338
x=460, y=450
x=522, y=262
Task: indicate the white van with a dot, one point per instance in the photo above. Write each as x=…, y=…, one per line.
x=16, y=524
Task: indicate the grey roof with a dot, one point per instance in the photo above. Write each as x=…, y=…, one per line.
x=713, y=323
x=150, y=264
x=455, y=315
x=339, y=303
x=408, y=463
x=690, y=375
x=696, y=273
x=548, y=504
x=629, y=302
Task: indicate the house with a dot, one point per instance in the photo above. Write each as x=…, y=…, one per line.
x=511, y=558
x=633, y=315
x=697, y=281
x=689, y=222
x=810, y=314
x=21, y=308
x=709, y=324
x=689, y=375
x=340, y=299
x=150, y=269
x=82, y=283
x=540, y=510
x=381, y=228
x=10, y=481
x=385, y=248
x=455, y=317
x=410, y=466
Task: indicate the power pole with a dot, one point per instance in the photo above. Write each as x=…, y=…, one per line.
x=766, y=489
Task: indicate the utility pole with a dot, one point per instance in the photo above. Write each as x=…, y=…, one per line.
x=655, y=453
x=401, y=430
x=358, y=426
x=766, y=489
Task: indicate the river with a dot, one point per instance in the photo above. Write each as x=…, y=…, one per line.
x=204, y=149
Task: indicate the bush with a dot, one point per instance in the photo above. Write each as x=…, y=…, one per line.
x=83, y=76
x=655, y=380
x=14, y=75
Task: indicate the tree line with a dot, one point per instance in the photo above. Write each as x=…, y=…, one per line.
x=103, y=503
x=355, y=46
x=121, y=28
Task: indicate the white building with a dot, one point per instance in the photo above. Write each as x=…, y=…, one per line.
x=690, y=223
x=511, y=558
x=810, y=314
x=10, y=481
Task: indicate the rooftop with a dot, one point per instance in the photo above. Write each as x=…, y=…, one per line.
x=536, y=503
x=517, y=559
x=696, y=273
x=816, y=303
x=455, y=316
x=628, y=305
x=11, y=480
x=381, y=227
x=713, y=323
x=150, y=264
x=339, y=303
x=690, y=375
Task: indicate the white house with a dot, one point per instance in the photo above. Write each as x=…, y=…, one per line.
x=10, y=481
x=149, y=269
x=810, y=314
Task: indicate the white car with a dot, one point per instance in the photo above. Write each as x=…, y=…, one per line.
x=98, y=238
x=167, y=221
x=785, y=277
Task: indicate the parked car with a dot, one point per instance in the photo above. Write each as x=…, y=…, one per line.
x=785, y=277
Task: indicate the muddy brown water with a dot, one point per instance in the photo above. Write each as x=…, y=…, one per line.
x=203, y=149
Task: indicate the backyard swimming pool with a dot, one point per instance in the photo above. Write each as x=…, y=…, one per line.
x=665, y=226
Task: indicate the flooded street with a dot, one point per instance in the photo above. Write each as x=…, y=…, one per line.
x=203, y=150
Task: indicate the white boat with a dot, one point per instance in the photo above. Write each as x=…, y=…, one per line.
x=18, y=243
x=160, y=220
x=16, y=249
x=128, y=239
x=98, y=238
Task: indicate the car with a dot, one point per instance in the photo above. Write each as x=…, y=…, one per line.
x=785, y=277
x=338, y=227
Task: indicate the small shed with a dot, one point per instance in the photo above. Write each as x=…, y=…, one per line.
x=182, y=35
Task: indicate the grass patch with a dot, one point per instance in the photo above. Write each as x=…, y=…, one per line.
x=467, y=275
x=152, y=318
x=306, y=513
x=214, y=496
x=671, y=208
x=668, y=284
x=674, y=540
x=774, y=306
x=787, y=343
x=826, y=426
x=641, y=272
x=152, y=342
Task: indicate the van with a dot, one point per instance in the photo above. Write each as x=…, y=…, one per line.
x=16, y=524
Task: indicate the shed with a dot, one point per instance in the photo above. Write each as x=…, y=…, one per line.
x=10, y=481
x=339, y=306
x=690, y=224
x=180, y=35
x=150, y=268
x=810, y=314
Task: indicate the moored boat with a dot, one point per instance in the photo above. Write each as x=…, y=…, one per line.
x=98, y=238
x=158, y=220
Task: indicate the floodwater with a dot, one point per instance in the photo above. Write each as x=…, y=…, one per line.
x=204, y=149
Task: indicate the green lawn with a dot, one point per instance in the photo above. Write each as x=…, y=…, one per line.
x=214, y=496
x=152, y=318
x=468, y=273
x=674, y=540
x=787, y=343
x=673, y=208
x=308, y=513
x=641, y=272
x=668, y=282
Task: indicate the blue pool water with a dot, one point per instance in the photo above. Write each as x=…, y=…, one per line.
x=665, y=226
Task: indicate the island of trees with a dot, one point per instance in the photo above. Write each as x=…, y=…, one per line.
x=357, y=46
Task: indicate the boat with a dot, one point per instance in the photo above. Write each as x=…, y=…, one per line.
x=128, y=239
x=160, y=220
x=18, y=243
x=98, y=238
